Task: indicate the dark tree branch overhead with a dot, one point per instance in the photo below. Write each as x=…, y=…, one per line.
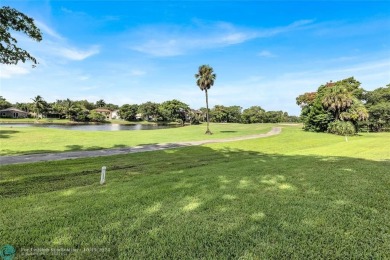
x=11, y=19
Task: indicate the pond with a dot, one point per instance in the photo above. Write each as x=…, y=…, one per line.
x=92, y=127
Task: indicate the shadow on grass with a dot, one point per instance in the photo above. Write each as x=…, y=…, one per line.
x=7, y=133
x=119, y=146
x=147, y=144
x=74, y=147
x=197, y=202
x=175, y=160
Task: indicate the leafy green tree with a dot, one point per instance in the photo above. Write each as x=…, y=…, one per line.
x=203, y=114
x=54, y=110
x=195, y=117
x=149, y=111
x=223, y=114
x=96, y=117
x=313, y=114
x=234, y=114
x=254, y=114
x=111, y=106
x=83, y=115
x=39, y=104
x=293, y=119
x=174, y=110
x=11, y=19
x=24, y=106
x=4, y=103
x=128, y=112
x=339, y=101
x=100, y=103
x=68, y=108
x=306, y=99
x=205, y=79
x=274, y=117
x=85, y=104
x=219, y=114
x=378, y=105
x=379, y=117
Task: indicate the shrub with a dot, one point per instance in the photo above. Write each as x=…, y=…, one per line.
x=96, y=117
x=342, y=128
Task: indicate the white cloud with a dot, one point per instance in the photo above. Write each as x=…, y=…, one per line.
x=84, y=77
x=46, y=29
x=365, y=67
x=54, y=46
x=170, y=40
x=278, y=92
x=7, y=71
x=71, y=12
x=137, y=72
x=75, y=54
x=266, y=54
x=88, y=88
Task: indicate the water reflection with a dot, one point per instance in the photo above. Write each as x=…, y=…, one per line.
x=102, y=127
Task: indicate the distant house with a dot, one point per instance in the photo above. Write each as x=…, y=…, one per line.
x=138, y=116
x=115, y=115
x=13, y=113
x=107, y=113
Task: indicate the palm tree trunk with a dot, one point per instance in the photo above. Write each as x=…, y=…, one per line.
x=337, y=114
x=207, y=113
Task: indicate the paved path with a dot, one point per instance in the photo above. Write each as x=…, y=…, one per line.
x=136, y=149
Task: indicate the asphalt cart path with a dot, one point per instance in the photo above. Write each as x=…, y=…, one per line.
x=4, y=160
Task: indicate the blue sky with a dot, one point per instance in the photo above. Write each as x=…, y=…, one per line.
x=264, y=53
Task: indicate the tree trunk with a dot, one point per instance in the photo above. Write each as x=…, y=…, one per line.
x=207, y=113
x=338, y=114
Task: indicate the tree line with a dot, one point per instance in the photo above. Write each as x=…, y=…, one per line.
x=171, y=110
x=344, y=108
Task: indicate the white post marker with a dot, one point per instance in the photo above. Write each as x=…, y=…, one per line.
x=103, y=175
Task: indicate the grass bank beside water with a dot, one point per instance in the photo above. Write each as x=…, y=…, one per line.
x=28, y=140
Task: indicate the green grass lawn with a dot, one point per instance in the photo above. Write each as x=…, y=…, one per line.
x=294, y=196
x=27, y=140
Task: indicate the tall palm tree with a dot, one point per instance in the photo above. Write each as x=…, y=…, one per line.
x=338, y=100
x=68, y=107
x=205, y=79
x=100, y=103
x=38, y=104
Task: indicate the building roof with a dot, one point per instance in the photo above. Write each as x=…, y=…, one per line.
x=330, y=84
x=13, y=109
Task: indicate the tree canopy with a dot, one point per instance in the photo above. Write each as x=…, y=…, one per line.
x=11, y=19
x=149, y=111
x=334, y=101
x=4, y=103
x=128, y=112
x=174, y=110
x=378, y=105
